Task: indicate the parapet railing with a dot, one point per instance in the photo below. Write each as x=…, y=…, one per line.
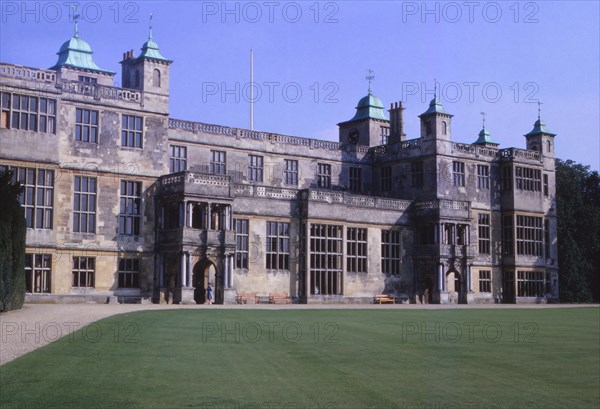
x=349, y=199
x=441, y=204
x=27, y=73
x=98, y=92
x=199, y=127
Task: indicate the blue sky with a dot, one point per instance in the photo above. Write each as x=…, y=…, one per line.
x=311, y=59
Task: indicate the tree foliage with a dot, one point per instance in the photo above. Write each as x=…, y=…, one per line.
x=12, y=245
x=578, y=211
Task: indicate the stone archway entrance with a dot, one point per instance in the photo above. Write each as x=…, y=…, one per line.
x=427, y=289
x=204, y=272
x=454, y=286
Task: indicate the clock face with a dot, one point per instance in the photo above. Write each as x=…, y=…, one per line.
x=353, y=136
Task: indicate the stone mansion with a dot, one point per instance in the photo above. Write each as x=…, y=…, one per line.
x=122, y=200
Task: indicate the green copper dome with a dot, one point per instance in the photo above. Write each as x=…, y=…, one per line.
x=435, y=107
x=77, y=53
x=538, y=128
x=369, y=107
x=484, y=137
x=150, y=50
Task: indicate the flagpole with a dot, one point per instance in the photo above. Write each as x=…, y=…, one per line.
x=251, y=90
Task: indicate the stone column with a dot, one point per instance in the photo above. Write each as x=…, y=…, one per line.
x=189, y=269
x=190, y=208
x=231, y=264
x=469, y=284
x=208, y=210
x=182, y=270
x=161, y=271
x=441, y=277
x=307, y=261
x=228, y=217
x=226, y=271
x=344, y=259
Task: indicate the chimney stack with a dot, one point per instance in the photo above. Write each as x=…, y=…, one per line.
x=397, y=122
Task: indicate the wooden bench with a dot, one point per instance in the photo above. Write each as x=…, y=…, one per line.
x=383, y=299
x=242, y=297
x=283, y=298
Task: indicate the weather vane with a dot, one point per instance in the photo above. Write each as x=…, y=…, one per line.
x=539, y=109
x=370, y=78
x=75, y=18
x=434, y=88
x=150, y=28
x=483, y=116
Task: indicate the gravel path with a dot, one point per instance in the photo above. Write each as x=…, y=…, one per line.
x=36, y=325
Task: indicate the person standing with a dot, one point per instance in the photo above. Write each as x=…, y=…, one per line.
x=209, y=293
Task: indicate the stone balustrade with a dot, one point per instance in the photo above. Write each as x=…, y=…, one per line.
x=26, y=73
x=198, y=127
x=437, y=204
x=349, y=199
x=102, y=92
x=515, y=153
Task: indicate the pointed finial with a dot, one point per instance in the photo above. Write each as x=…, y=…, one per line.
x=483, y=116
x=370, y=78
x=150, y=28
x=75, y=18
x=539, y=110
x=434, y=88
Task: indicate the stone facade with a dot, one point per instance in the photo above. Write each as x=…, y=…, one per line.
x=122, y=200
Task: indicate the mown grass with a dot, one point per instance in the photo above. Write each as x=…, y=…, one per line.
x=513, y=358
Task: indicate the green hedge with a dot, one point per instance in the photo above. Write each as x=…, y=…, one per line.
x=12, y=245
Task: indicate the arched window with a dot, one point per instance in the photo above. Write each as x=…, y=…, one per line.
x=428, y=127
x=549, y=146
x=137, y=78
x=444, y=128
x=156, y=78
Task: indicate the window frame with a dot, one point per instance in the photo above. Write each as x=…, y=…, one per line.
x=38, y=114
x=485, y=281
x=82, y=273
x=177, y=158
x=356, y=250
x=324, y=175
x=483, y=177
x=458, y=173
x=242, y=241
x=386, y=179
x=277, y=246
x=130, y=208
x=218, y=162
x=256, y=168
x=484, y=233
x=38, y=273
x=391, y=252
x=355, y=179
x=132, y=131
x=128, y=274
x=86, y=130
x=290, y=172
x=86, y=197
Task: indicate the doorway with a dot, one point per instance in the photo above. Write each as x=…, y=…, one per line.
x=204, y=272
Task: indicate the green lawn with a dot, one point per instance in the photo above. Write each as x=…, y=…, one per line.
x=521, y=359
